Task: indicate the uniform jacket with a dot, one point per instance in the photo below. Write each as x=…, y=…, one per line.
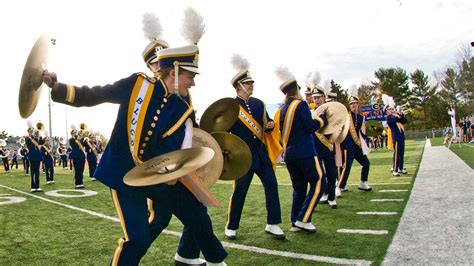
x=163, y=127
x=398, y=133
x=47, y=156
x=301, y=140
x=256, y=109
x=76, y=150
x=349, y=143
x=34, y=152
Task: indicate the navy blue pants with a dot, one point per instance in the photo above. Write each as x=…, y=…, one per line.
x=131, y=206
x=398, y=153
x=349, y=156
x=331, y=175
x=49, y=170
x=64, y=161
x=304, y=172
x=92, y=162
x=5, y=164
x=79, y=171
x=34, y=171
x=241, y=187
x=159, y=218
x=26, y=165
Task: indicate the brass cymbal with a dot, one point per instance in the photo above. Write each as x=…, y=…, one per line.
x=336, y=113
x=168, y=166
x=340, y=135
x=237, y=155
x=220, y=116
x=32, y=78
x=210, y=172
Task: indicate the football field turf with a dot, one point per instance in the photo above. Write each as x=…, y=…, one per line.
x=49, y=230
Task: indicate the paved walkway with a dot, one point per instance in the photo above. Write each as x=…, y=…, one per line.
x=437, y=226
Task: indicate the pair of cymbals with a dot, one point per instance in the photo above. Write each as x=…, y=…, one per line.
x=340, y=135
x=168, y=167
x=32, y=78
x=220, y=156
x=220, y=116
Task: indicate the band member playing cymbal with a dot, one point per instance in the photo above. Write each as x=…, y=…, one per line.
x=353, y=147
x=251, y=126
x=157, y=105
x=297, y=130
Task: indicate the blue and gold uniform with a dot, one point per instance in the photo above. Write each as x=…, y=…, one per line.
x=91, y=152
x=150, y=122
x=253, y=111
x=395, y=123
x=297, y=129
x=34, y=156
x=352, y=149
x=48, y=163
x=78, y=157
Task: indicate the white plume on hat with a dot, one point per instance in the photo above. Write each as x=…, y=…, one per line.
x=193, y=26
x=239, y=63
x=73, y=126
x=353, y=90
x=152, y=27
x=29, y=124
x=388, y=101
x=283, y=73
x=313, y=79
x=327, y=85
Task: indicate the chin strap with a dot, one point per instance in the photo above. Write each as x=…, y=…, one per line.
x=244, y=89
x=176, y=73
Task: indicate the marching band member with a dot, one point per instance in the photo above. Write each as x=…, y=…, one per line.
x=62, y=151
x=91, y=150
x=78, y=156
x=4, y=153
x=14, y=160
x=23, y=153
x=253, y=122
x=395, y=121
x=159, y=217
x=326, y=153
x=297, y=130
x=32, y=142
x=158, y=106
x=352, y=147
x=47, y=161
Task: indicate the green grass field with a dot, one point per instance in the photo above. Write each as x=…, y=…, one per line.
x=37, y=232
x=465, y=151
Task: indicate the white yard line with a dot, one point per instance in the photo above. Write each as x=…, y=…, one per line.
x=220, y=182
x=385, y=200
x=363, y=232
x=393, y=190
x=377, y=213
x=226, y=244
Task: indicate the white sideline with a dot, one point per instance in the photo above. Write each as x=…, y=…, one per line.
x=384, y=200
x=377, y=213
x=226, y=244
x=363, y=232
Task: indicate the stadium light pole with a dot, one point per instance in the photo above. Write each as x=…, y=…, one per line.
x=53, y=41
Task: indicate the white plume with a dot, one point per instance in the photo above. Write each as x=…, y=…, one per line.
x=239, y=62
x=392, y=102
x=151, y=26
x=313, y=79
x=283, y=73
x=46, y=133
x=353, y=90
x=29, y=123
x=193, y=26
x=73, y=126
x=386, y=99
x=327, y=85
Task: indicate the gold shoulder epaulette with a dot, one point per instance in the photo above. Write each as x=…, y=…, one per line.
x=150, y=79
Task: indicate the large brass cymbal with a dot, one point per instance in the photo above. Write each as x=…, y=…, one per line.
x=237, y=155
x=168, y=166
x=32, y=78
x=340, y=135
x=336, y=114
x=210, y=172
x=220, y=116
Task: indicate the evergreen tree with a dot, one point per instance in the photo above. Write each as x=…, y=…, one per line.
x=422, y=94
x=342, y=95
x=393, y=82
